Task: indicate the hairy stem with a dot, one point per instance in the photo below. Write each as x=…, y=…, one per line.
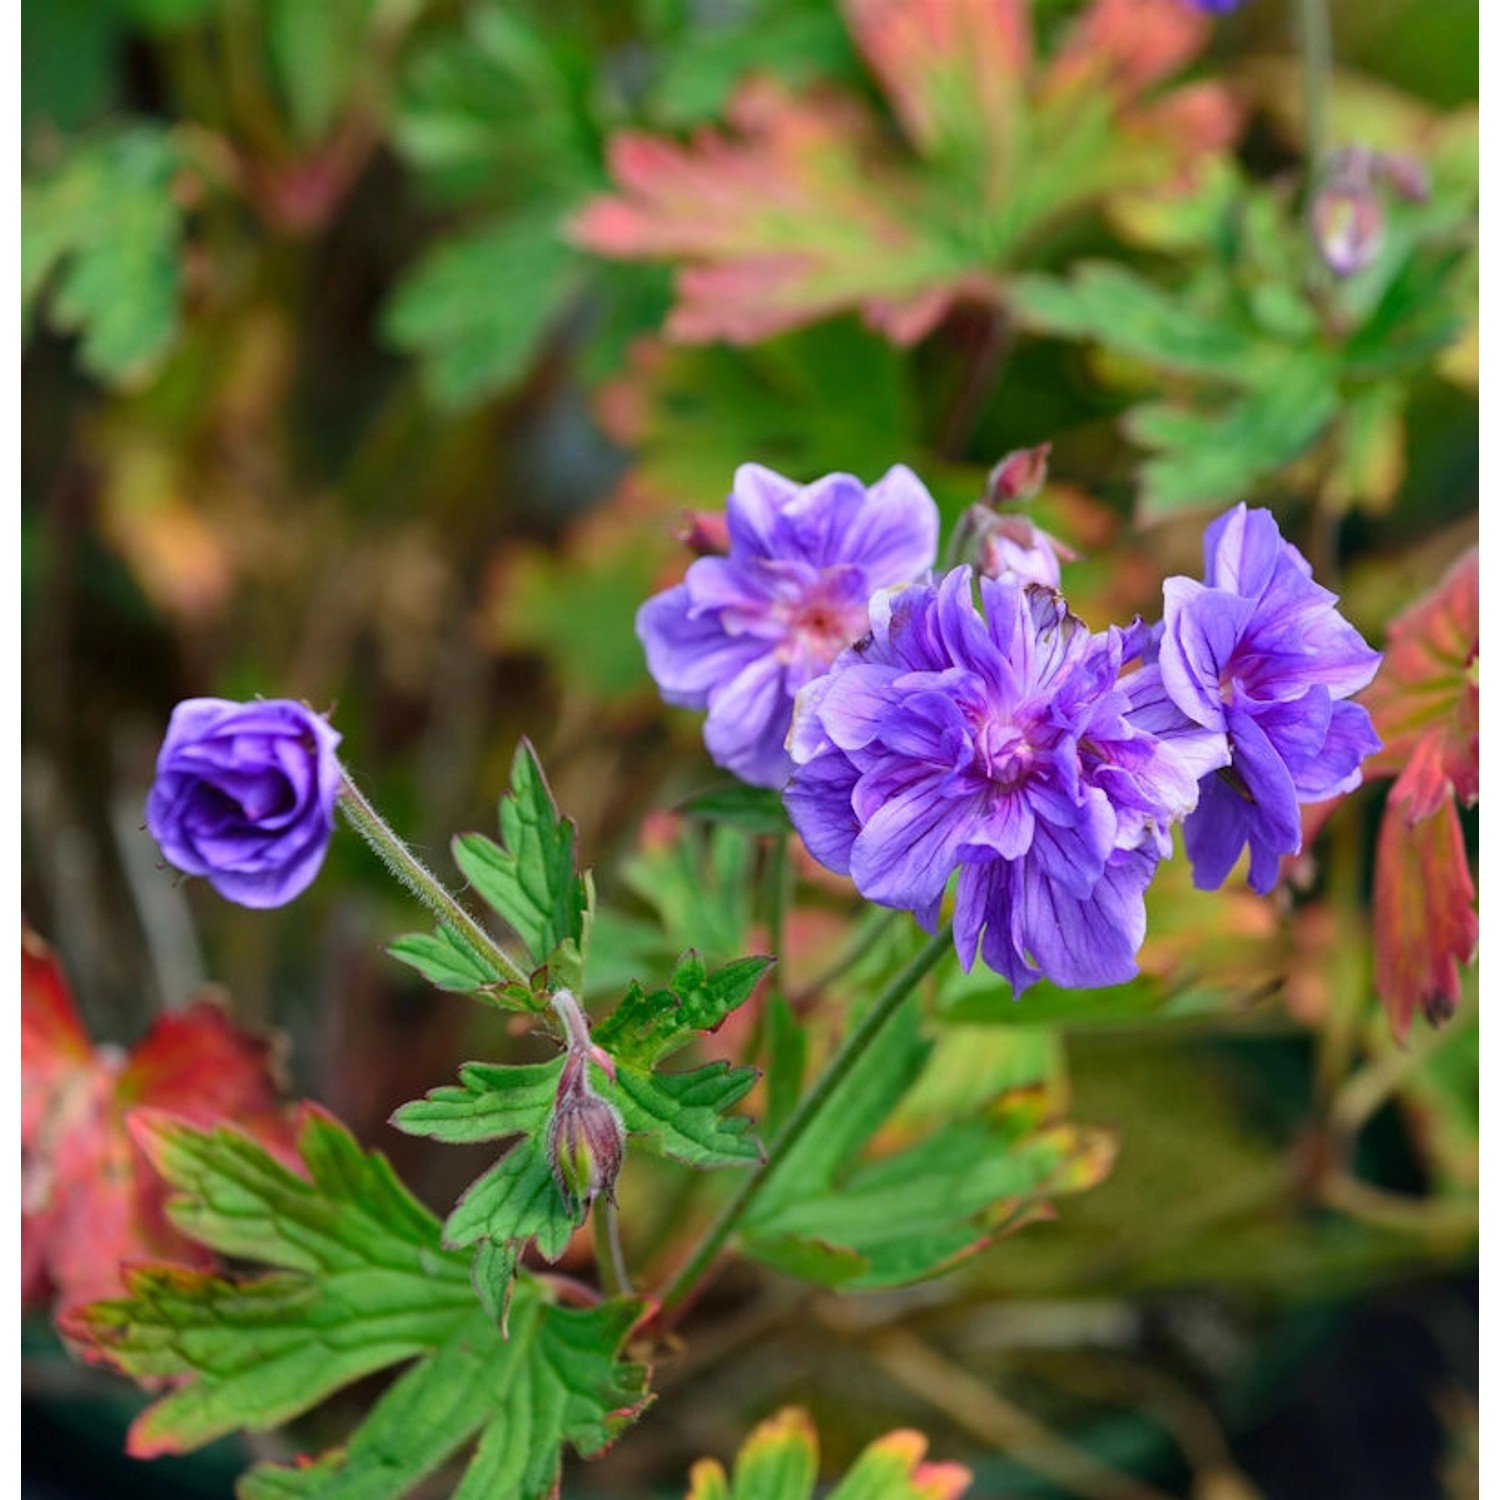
x=424, y=885
x=813, y=1103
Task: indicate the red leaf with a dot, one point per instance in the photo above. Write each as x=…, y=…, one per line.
x=89, y=1199
x=1425, y=702
x=1425, y=923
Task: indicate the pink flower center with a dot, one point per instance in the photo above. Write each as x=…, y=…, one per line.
x=819, y=627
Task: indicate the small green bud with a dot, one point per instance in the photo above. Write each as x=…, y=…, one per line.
x=585, y=1138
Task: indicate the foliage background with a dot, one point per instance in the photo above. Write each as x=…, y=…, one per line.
x=319, y=403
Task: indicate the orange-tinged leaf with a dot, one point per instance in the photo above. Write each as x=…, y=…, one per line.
x=90, y=1200
x=1425, y=923
x=779, y=1461
x=804, y=208
x=1425, y=701
x=1129, y=44
x=954, y=70
x=789, y=217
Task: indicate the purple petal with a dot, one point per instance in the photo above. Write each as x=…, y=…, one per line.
x=690, y=655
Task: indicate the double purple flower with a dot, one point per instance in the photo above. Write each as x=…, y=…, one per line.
x=244, y=796
x=1002, y=743
x=1260, y=653
x=744, y=632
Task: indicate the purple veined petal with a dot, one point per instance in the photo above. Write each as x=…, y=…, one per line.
x=930, y=723
x=747, y=586
x=1277, y=821
x=1296, y=730
x=986, y=914
x=1241, y=550
x=1196, y=751
x=854, y=706
x=819, y=522
x=894, y=536
x=1074, y=854
x=749, y=716
x=1336, y=768
x=1203, y=627
x=1216, y=831
x=908, y=849
x=1088, y=942
x=819, y=803
x=689, y=656
x=754, y=507
x=1006, y=827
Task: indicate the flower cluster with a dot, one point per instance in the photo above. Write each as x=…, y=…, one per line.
x=980, y=730
x=997, y=739
x=965, y=730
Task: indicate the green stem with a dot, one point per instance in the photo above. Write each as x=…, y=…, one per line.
x=817, y=1099
x=424, y=885
x=608, y=1251
x=1316, y=40
x=777, y=879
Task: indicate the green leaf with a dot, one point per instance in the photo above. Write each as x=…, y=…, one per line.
x=683, y=1115
x=779, y=1461
x=755, y=809
x=443, y=960
x=532, y=881
x=105, y=232
x=517, y=1200
x=495, y=113
x=646, y=1027
x=831, y=1216
x=477, y=306
x=315, y=51
x=361, y=1282
x=678, y=1115
x=1212, y=458
x=492, y=1102
x=1127, y=314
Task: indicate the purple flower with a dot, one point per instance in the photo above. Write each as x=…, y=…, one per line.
x=742, y=633
x=1003, y=745
x=1216, y=7
x=244, y=795
x=1259, y=652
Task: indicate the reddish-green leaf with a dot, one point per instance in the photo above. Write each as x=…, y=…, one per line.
x=89, y=1200
x=361, y=1282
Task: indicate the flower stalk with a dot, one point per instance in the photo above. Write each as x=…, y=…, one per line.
x=397, y=857
x=813, y=1104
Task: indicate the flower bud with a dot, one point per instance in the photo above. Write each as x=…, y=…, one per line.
x=1016, y=547
x=706, y=533
x=1348, y=224
x=1407, y=177
x=1018, y=476
x=585, y=1138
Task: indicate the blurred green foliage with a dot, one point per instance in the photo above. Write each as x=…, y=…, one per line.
x=323, y=399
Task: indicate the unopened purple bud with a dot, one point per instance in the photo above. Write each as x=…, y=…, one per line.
x=1406, y=175
x=585, y=1138
x=1018, y=476
x=706, y=533
x=1016, y=547
x=1348, y=224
